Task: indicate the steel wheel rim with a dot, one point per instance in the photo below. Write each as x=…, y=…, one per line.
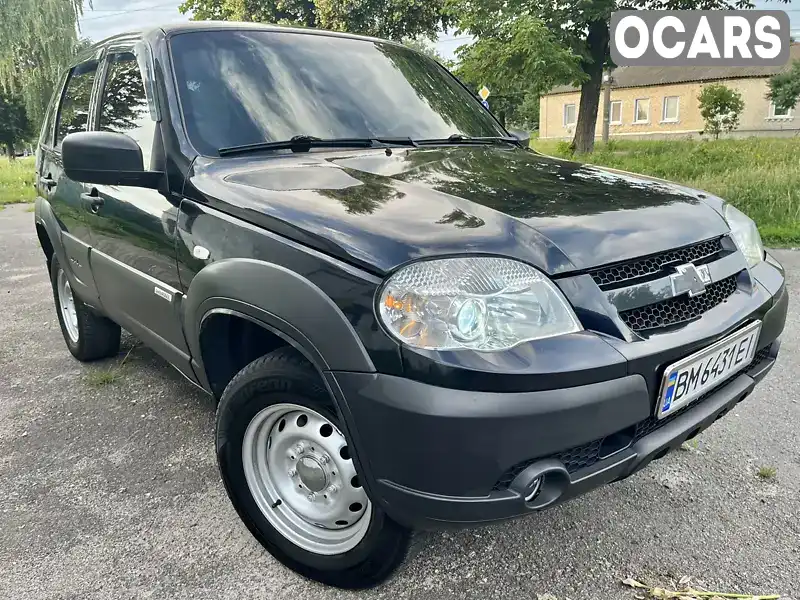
x=66, y=303
x=300, y=474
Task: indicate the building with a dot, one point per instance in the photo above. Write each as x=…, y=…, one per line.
x=661, y=102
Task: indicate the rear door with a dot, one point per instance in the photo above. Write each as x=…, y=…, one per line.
x=72, y=114
x=133, y=228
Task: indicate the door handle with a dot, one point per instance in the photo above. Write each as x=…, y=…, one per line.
x=48, y=182
x=94, y=201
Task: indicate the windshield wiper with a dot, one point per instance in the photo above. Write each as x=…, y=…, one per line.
x=460, y=138
x=304, y=143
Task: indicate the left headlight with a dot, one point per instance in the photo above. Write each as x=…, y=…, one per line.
x=745, y=234
x=480, y=303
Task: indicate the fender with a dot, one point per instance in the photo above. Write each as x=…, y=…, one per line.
x=287, y=303
x=72, y=254
x=292, y=308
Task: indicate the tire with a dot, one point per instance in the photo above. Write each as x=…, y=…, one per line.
x=88, y=336
x=278, y=382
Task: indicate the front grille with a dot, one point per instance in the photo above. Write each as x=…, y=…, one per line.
x=679, y=310
x=651, y=266
x=586, y=455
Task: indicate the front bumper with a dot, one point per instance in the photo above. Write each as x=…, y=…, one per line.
x=433, y=457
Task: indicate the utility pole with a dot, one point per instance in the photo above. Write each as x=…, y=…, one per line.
x=607, y=81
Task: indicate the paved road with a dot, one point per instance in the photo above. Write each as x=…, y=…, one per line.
x=113, y=492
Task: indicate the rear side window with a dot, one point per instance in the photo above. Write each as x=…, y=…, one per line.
x=73, y=116
x=125, y=108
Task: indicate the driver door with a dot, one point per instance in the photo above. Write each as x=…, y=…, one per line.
x=133, y=228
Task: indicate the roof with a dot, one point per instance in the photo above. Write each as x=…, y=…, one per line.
x=189, y=26
x=628, y=77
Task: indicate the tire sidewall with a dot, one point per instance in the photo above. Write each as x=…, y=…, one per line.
x=241, y=402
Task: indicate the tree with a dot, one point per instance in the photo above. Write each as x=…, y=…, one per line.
x=784, y=88
x=14, y=124
x=522, y=60
x=37, y=40
x=582, y=27
x=391, y=19
x=720, y=107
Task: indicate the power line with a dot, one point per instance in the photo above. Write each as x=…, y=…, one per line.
x=456, y=39
x=155, y=7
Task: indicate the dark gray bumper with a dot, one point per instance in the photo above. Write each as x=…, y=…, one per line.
x=433, y=456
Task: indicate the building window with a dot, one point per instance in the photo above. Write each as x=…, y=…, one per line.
x=669, y=112
x=616, y=113
x=570, y=115
x=779, y=113
x=641, y=110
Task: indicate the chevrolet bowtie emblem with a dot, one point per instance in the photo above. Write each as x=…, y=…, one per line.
x=690, y=279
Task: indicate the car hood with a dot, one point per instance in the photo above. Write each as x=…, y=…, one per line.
x=381, y=209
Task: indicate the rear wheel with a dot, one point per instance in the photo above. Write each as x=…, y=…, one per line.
x=288, y=470
x=89, y=336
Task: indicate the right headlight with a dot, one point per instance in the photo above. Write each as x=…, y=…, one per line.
x=479, y=303
x=745, y=234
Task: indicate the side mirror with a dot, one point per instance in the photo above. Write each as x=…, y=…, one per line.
x=524, y=137
x=107, y=159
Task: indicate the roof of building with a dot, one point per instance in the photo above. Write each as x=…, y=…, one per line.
x=628, y=77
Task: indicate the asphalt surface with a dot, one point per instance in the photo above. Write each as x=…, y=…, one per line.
x=113, y=491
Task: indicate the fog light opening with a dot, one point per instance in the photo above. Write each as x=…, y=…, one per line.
x=534, y=491
x=617, y=442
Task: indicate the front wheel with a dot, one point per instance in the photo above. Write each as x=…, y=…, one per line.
x=288, y=470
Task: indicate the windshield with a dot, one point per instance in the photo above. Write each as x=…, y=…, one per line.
x=243, y=87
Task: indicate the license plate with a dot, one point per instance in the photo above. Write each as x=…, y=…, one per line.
x=686, y=380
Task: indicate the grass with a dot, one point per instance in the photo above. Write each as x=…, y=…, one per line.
x=104, y=377
x=767, y=473
x=691, y=445
x=760, y=176
x=111, y=375
x=16, y=180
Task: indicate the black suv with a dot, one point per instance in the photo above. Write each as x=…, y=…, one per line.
x=410, y=319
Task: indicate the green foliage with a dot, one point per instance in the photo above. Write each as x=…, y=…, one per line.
x=16, y=181
x=390, y=19
x=758, y=175
x=520, y=60
x=720, y=107
x=37, y=40
x=784, y=88
x=14, y=124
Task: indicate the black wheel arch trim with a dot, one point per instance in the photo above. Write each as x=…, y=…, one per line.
x=289, y=304
x=293, y=337
x=48, y=221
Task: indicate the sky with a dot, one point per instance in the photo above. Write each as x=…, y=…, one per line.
x=109, y=17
